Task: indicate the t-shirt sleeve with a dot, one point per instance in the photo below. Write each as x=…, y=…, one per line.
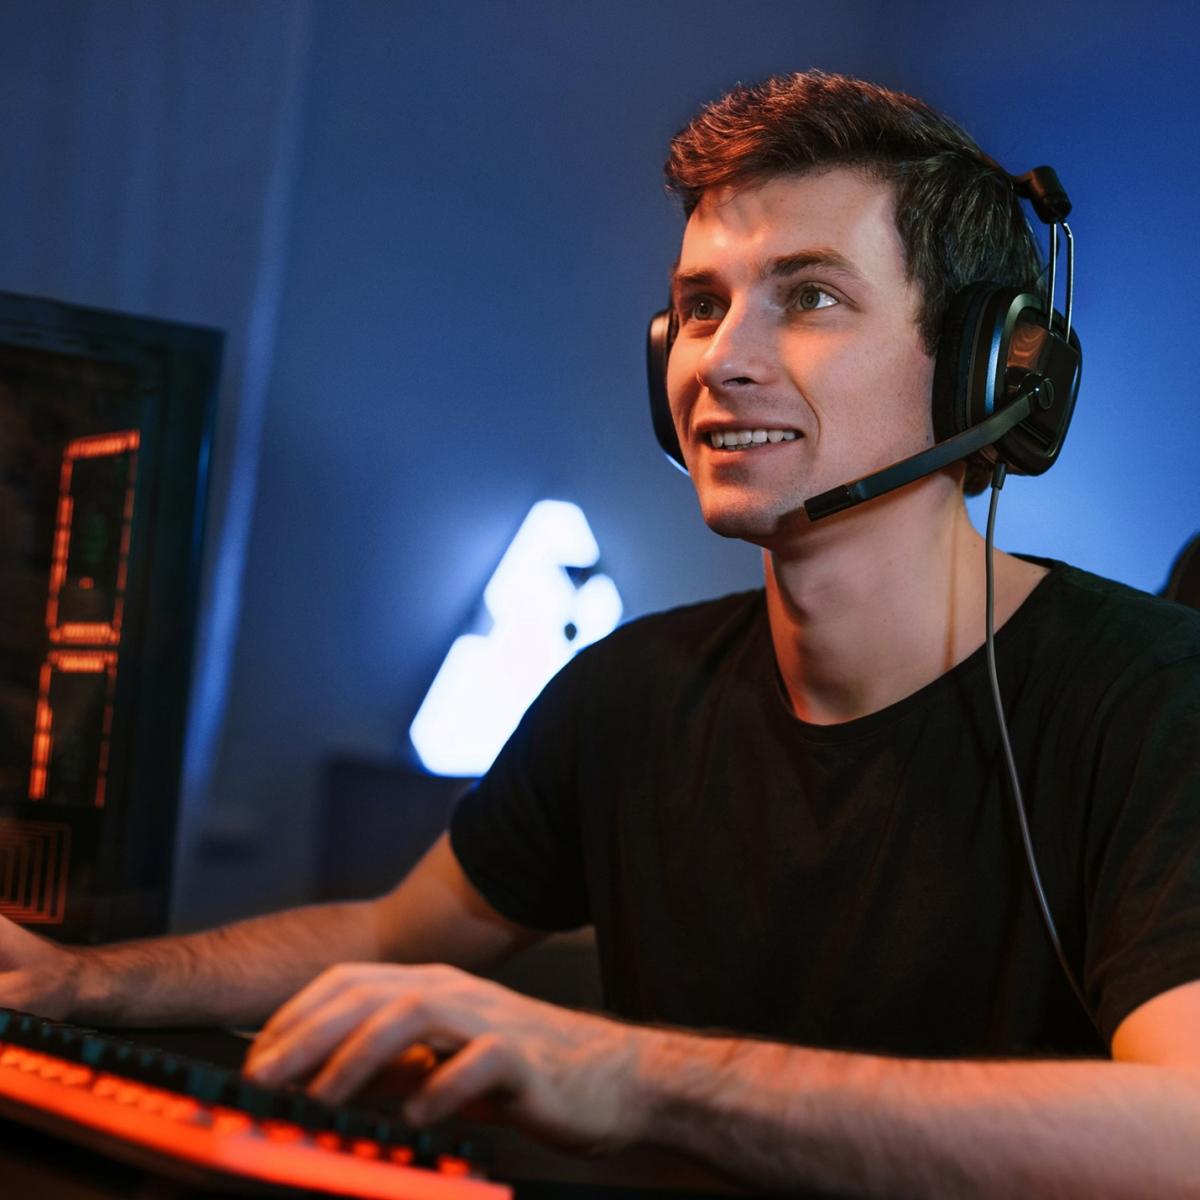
x=1143, y=860
x=516, y=834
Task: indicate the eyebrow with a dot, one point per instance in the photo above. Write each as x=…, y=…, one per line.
x=780, y=267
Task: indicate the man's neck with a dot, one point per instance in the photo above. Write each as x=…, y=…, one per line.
x=867, y=614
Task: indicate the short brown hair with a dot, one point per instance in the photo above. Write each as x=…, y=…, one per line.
x=958, y=217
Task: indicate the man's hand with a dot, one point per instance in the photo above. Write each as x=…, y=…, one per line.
x=35, y=975
x=569, y=1077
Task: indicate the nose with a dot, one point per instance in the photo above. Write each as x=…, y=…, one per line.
x=741, y=353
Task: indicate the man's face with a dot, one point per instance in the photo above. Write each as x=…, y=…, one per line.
x=797, y=326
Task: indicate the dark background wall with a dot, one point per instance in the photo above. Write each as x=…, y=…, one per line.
x=434, y=233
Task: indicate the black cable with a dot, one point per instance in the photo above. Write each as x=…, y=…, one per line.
x=998, y=475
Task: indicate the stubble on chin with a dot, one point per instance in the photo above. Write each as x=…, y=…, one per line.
x=763, y=525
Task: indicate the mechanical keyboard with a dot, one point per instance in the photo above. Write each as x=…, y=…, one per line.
x=200, y=1123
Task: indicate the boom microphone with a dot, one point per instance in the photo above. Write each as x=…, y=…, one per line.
x=1034, y=392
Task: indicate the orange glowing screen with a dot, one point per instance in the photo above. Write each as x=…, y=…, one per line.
x=84, y=610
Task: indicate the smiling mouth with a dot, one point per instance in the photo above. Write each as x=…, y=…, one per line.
x=749, y=439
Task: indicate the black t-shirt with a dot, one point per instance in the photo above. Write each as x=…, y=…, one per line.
x=862, y=886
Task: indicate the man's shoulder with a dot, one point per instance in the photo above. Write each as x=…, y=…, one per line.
x=1078, y=593
x=1113, y=627
x=657, y=655
x=679, y=641
x=724, y=618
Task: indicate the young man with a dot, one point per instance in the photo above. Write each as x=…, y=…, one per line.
x=784, y=812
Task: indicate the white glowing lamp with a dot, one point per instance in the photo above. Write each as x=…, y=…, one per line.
x=540, y=619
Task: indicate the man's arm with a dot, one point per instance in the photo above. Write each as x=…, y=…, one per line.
x=773, y=1116
x=782, y=1116
x=241, y=972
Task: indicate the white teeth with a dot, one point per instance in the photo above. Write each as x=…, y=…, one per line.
x=745, y=437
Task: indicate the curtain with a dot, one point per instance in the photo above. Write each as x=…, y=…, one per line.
x=148, y=152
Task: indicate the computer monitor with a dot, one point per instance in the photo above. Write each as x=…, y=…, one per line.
x=105, y=431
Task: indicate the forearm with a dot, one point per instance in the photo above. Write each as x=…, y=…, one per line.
x=785, y=1117
x=237, y=974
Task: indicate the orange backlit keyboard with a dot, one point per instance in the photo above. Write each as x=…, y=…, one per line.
x=198, y=1122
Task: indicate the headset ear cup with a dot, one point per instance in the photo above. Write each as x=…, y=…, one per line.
x=953, y=383
x=1033, y=446
x=985, y=349
x=659, y=338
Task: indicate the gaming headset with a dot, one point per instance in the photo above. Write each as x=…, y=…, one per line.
x=1004, y=385
x=1005, y=378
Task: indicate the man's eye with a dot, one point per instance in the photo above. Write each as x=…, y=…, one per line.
x=809, y=296
x=701, y=308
